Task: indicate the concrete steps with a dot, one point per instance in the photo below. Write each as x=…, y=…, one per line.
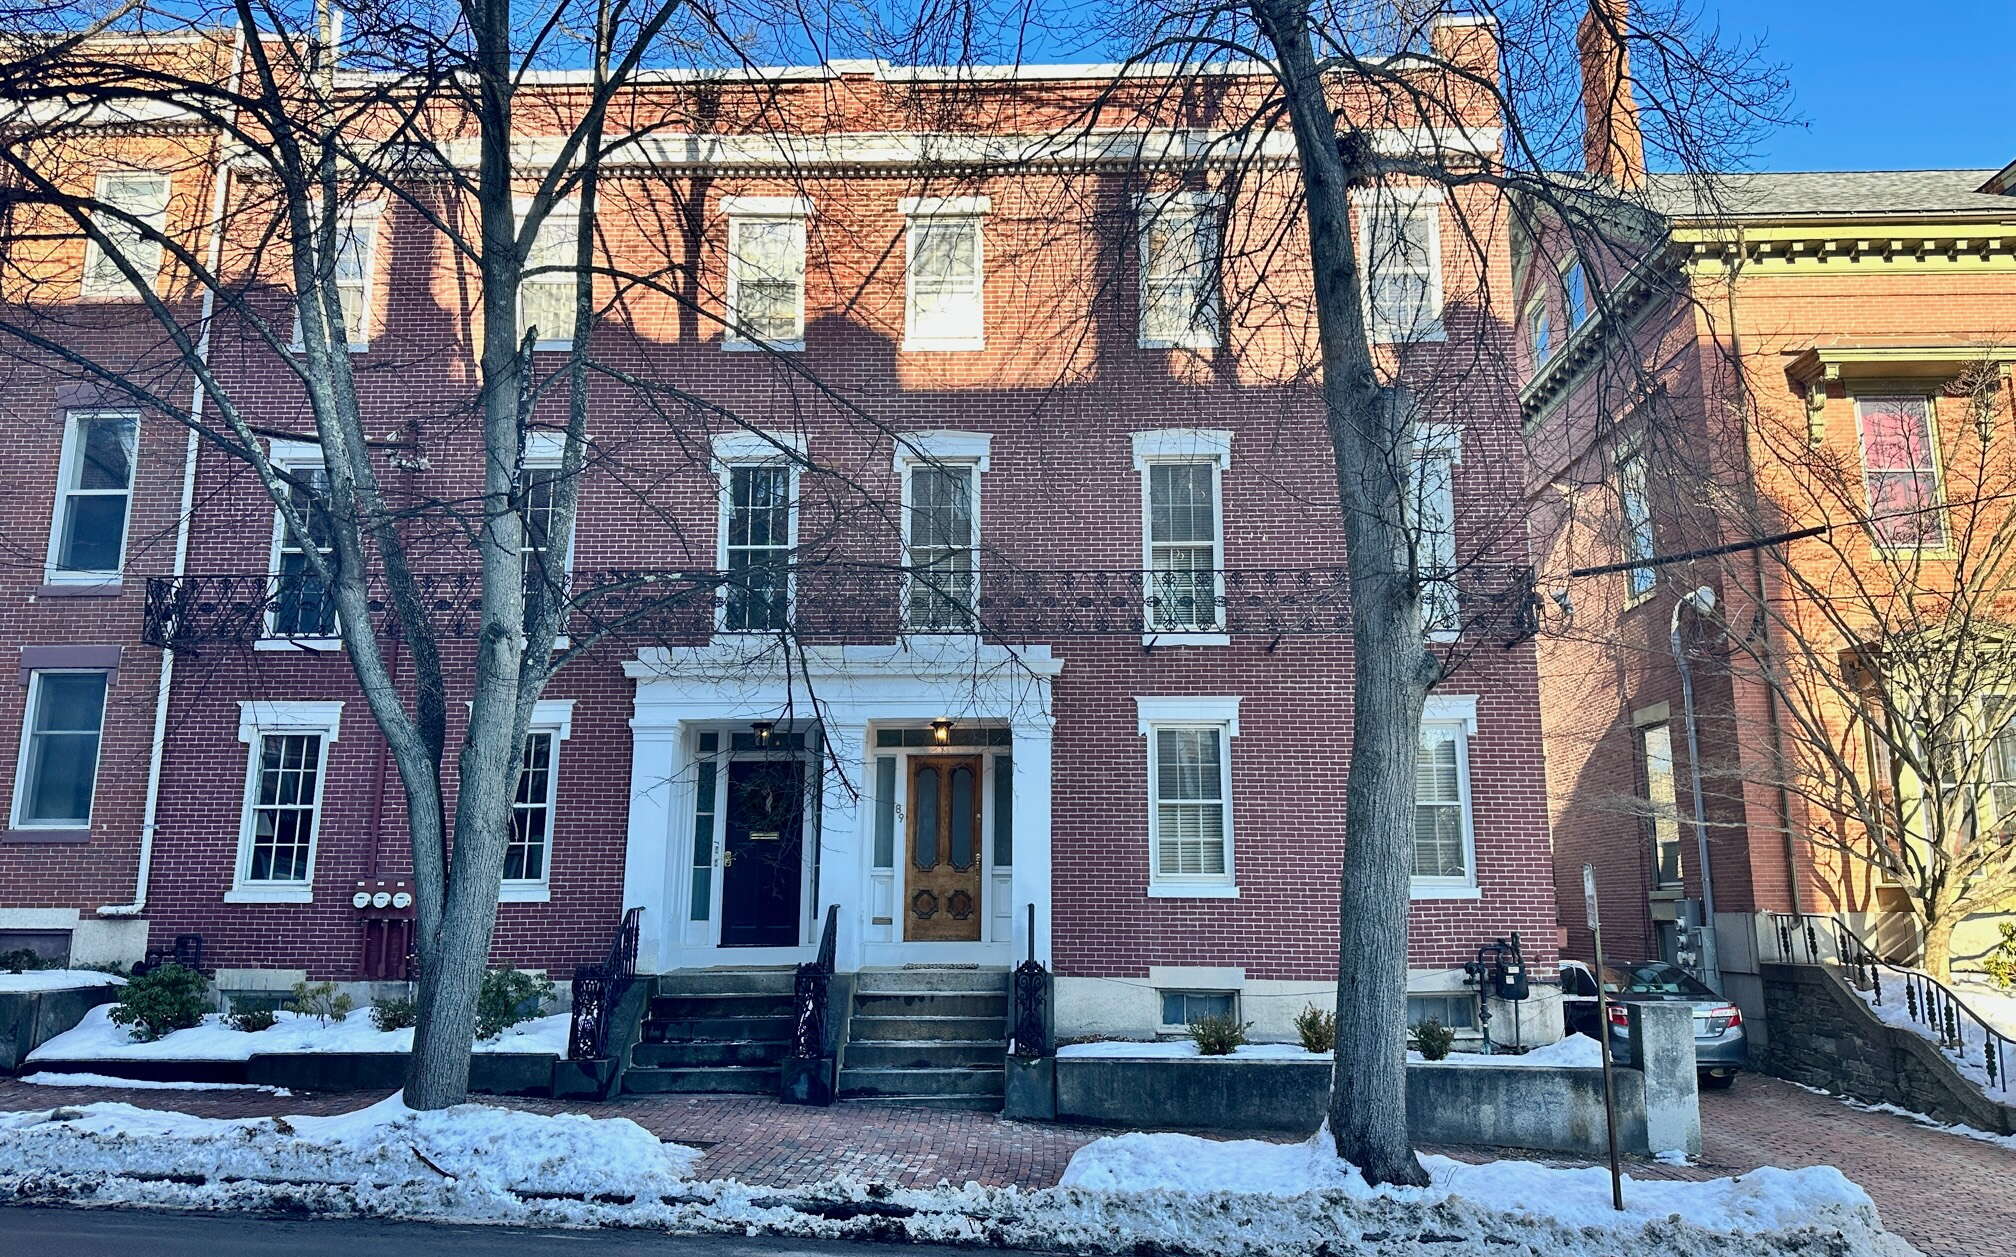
x=714, y=1030
x=933, y=1037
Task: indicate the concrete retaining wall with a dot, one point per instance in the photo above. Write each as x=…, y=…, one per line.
x=1823, y=1036
x=28, y=1019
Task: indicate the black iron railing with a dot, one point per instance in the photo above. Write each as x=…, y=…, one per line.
x=844, y=602
x=1030, y=987
x=598, y=988
x=809, y=993
x=1925, y=1002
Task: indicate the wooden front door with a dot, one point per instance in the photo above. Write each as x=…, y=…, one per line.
x=942, y=841
x=762, y=858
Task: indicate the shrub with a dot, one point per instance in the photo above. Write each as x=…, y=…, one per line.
x=2000, y=962
x=320, y=1001
x=253, y=1020
x=1217, y=1036
x=395, y=1013
x=22, y=959
x=1433, y=1039
x=162, y=1000
x=1317, y=1028
x=507, y=997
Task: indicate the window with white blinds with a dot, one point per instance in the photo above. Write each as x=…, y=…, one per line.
x=1191, y=812
x=1442, y=840
x=546, y=291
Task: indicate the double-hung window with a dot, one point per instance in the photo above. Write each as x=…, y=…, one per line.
x=303, y=604
x=135, y=213
x=351, y=272
x=1179, y=271
x=1189, y=794
x=289, y=759
x=1634, y=503
x=1539, y=332
x=546, y=290
x=528, y=852
x=1182, y=489
x=757, y=522
x=1444, y=848
x=1575, y=293
x=944, y=300
x=58, y=769
x=545, y=572
x=1403, y=264
x=93, y=498
x=943, y=545
x=766, y=272
x=1662, y=804
x=1431, y=517
x=1900, y=467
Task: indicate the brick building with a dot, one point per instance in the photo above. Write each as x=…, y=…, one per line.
x=1058, y=666
x=1724, y=362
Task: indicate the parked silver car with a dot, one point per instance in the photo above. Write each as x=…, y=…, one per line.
x=1720, y=1048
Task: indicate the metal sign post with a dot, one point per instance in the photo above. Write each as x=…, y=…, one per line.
x=1603, y=1037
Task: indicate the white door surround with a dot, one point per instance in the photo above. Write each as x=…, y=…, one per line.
x=851, y=692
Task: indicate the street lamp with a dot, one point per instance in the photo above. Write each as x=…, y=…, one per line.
x=1702, y=599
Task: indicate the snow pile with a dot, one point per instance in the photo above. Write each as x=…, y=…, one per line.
x=56, y=980
x=462, y=1162
x=1969, y=1057
x=95, y=1038
x=1577, y=1051
x=1991, y=1002
x=142, y=1084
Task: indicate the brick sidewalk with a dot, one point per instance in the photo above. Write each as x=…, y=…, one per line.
x=1949, y=1196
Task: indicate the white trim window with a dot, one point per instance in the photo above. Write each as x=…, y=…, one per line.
x=284, y=777
x=1444, y=844
x=538, y=485
x=1189, y=795
x=766, y=272
x=528, y=853
x=303, y=607
x=1900, y=468
x=1180, y=260
x=94, y=494
x=1431, y=514
x=758, y=530
x=1539, y=330
x=546, y=300
x=1662, y=804
x=137, y=195
x=353, y=273
x=1634, y=504
x=57, y=775
x=1183, y=534
x=944, y=305
x=1574, y=293
x=1402, y=267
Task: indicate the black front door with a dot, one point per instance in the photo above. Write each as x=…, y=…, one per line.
x=764, y=852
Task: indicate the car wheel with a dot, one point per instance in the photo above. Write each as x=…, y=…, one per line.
x=1719, y=1082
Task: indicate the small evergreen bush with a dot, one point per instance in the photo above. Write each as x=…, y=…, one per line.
x=1218, y=1036
x=1317, y=1029
x=253, y=1020
x=320, y=1001
x=22, y=960
x=1433, y=1039
x=394, y=1013
x=507, y=997
x=161, y=1001
x=2000, y=962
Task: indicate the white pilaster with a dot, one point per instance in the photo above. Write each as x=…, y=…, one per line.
x=844, y=837
x=652, y=859
x=1031, y=751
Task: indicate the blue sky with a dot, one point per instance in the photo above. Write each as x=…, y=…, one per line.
x=1888, y=86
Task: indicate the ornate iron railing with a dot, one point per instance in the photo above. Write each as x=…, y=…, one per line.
x=598, y=988
x=809, y=992
x=1030, y=989
x=840, y=601
x=1926, y=1003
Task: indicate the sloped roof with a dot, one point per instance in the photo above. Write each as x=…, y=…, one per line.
x=1828, y=194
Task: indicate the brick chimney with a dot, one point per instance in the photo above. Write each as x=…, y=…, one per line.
x=1613, y=146
x=1469, y=40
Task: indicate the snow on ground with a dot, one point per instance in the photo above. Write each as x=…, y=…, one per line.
x=1969, y=1058
x=56, y=980
x=1923, y=1119
x=1576, y=1050
x=95, y=1038
x=1991, y=1002
x=142, y=1084
x=1169, y=1194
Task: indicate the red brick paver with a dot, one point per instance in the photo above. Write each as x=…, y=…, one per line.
x=1949, y=1196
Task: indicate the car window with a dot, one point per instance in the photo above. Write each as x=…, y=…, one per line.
x=1656, y=978
x=1575, y=980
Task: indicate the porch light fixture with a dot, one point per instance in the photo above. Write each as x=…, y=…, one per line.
x=941, y=731
x=762, y=729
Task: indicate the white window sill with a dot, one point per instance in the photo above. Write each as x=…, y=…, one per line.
x=1444, y=637
x=312, y=644
x=81, y=580
x=1186, y=639
x=758, y=346
x=1192, y=890
x=270, y=894
x=1432, y=335
x=925, y=344
x=355, y=347
x=1199, y=344
x=524, y=892
x=552, y=346
x=1443, y=890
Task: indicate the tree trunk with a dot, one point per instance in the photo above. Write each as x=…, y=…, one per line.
x=1935, y=952
x=1391, y=669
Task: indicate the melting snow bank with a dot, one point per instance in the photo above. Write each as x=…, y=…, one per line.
x=96, y=1038
x=1165, y=1194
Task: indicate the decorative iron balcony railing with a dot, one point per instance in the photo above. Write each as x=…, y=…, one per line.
x=830, y=603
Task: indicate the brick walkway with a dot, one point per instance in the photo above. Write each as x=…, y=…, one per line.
x=1951, y=1197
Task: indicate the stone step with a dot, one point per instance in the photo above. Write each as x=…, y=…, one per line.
x=922, y=1082
x=976, y=980
x=743, y=1080
x=709, y=1054
x=911, y=1027
x=719, y=1029
x=777, y=978
x=925, y=1054
x=724, y=1004
x=929, y=1004
x=973, y=1104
